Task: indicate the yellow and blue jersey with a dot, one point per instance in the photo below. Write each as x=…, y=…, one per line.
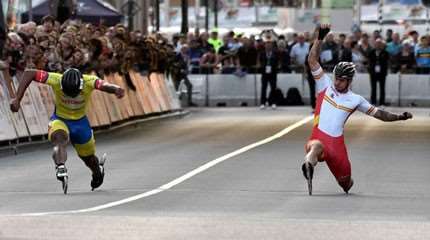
x=67, y=107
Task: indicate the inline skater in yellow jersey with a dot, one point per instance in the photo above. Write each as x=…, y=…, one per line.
x=69, y=122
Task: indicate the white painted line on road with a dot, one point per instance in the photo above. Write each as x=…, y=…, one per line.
x=179, y=179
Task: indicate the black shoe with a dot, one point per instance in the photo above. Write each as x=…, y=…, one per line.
x=191, y=104
x=308, y=172
x=97, y=180
x=346, y=189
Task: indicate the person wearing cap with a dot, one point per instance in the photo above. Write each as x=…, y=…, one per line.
x=268, y=62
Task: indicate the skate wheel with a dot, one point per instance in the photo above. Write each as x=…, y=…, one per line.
x=65, y=184
x=103, y=159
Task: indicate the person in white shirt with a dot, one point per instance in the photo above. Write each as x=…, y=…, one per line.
x=335, y=103
x=299, y=52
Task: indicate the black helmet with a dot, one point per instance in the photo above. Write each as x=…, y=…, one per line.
x=72, y=82
x=344, y=70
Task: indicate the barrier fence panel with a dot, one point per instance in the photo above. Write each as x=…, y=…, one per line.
x=415, y=89
x=173, y=96
x=7, y=130
x=110, y=101
x=233, y=90
x=142, y=95
x=158, y=91
x=153, y=99
x=31, y=117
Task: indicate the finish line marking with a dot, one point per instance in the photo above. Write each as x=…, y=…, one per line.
x=179, y=179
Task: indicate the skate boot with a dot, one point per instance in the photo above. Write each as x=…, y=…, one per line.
x=97, y=180
x=347, y=184
x=308, y=173
x=62, y=176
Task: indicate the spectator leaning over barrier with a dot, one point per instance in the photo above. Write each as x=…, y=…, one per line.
x=298, y=53
x=268, y=63
x=378, y=69
x=208, y=61
x=69, y=123
x=247, y=55
x=422, y=56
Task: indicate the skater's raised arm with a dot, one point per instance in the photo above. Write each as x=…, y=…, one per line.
x=28, y=76
x=314, y=53
x=391, y=117
x=110, y=88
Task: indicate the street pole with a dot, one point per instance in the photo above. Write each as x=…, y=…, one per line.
x=197, y=14
x=157, y=15
x=145, y=9
x=207, y=15
x=380, y=15
x=167, y=12
x=216, y=13
x=184, y=10
x=129, y=17
x=30, y=10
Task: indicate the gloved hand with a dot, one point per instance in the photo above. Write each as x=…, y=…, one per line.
x=405, y=116
x=323, y=30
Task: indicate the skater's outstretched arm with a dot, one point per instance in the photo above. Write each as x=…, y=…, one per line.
x=111, y=88
x=391, y=117
x=314, y=53
x=27, y=77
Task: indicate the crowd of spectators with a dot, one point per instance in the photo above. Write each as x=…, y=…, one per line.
x=55, y=47
x=90, y=48
x=237, y=53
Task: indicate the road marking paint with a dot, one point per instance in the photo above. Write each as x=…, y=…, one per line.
x=179, y=179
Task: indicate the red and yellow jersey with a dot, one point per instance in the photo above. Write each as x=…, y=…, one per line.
x=67, y=107
x=333, y=108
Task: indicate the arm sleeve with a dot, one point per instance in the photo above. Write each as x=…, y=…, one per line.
x=92, y=82
x=322, y=81
x=365, y=107
x=41, y=76
x=50, y=78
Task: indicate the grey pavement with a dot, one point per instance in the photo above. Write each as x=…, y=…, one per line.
x=259, y=194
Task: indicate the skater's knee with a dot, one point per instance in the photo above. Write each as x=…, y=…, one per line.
x=346, y=183
x=59, y=138
x=315, y=146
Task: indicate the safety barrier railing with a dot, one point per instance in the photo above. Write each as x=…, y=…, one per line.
x=244, y=89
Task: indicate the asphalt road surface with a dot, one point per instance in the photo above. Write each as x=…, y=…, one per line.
x=209, y=175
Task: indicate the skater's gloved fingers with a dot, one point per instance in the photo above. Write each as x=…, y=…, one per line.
x=407, y=115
